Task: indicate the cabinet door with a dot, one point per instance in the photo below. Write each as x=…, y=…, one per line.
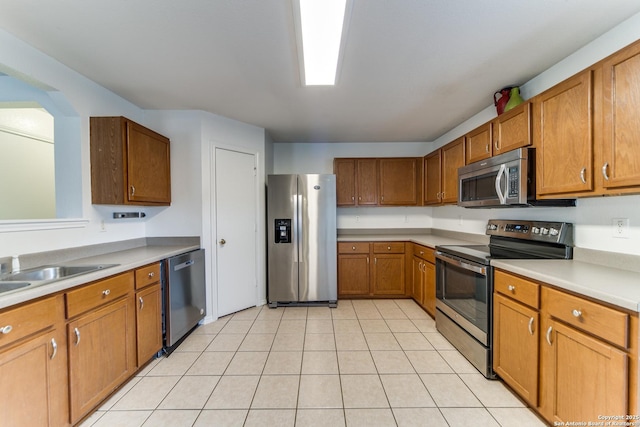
x=563, y=137
x=353, y=275
x=417, y=280
x=479, y=143
x=429, y=297
x=388, y=274
x=621, y=151
x=149, y=323
x=148, y=169
x=367, y=181
x=399, y=181
x=432, y=178
x=34, y=382
x=452, y=159
x=515, y=339
x=102, y=354
x=583, y=377
x=345, y=170
x=512, y=129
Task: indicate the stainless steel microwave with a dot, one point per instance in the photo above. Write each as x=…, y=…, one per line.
x=506, y=180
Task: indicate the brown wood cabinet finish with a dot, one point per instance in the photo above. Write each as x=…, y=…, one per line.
x=479, y=143
x=33, y=367
x=353, y=275
x=424, y=278
x=388, y=274
x=130, y=164
x=441, y=173
x=400, y=181
x=102, y=351
x=433, y=178
x=512, y=129
x=345, y=171
x=148, y=323
x=563, y=136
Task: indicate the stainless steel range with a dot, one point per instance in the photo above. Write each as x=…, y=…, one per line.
x=464, y=281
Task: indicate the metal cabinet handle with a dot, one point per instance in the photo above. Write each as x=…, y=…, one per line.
x=353, y=248
x=141, y=302
x=151, y=274
x=133, y=191
x=359, y=197
x=549, y=334
x=531, y=326
x=353, y=198
x=367, y=260
x=421, y=252
x=604, y=171
x=583, y=171
x=375, y=260
x=6, y=329
x=388, y=248
x=54, y=345
x=511, y=288
x=486, y=148
x=497, y=145
x=222, y=241
x=77, y=332
x=106, y=292
x=576, y=313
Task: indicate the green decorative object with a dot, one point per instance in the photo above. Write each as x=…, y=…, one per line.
x=514, y=99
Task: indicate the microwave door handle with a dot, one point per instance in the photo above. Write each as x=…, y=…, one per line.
x=501, y=196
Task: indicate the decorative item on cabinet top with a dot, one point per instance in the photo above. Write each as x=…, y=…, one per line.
x=509, y=98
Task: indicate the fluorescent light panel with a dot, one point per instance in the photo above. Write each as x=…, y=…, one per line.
x=321, y=30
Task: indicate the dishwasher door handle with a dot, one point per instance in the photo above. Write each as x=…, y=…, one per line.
x=183, y=265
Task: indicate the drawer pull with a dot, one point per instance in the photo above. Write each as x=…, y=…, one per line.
x=106, y=292
x=151, y=275
x=604, y=171
x=549, y=334
x=531, y=326
x=353, y=248
x=582, y=176
x=421, y=252
x=576, y=313
x=77, y=332
x=54, y=345
x=141, y=302
x=6, y=329
x=511, y=288
x=388, y=248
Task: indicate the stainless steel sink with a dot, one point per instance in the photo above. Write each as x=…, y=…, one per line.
x=11, y=286
x=52, y=272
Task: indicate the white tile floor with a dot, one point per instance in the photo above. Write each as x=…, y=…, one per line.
x=365, y=363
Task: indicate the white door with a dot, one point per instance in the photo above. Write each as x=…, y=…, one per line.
x=236, y=223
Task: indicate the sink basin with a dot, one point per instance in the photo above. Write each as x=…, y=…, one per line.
x=11, y=286
x=52, y=272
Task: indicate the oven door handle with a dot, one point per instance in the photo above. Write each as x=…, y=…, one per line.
x=462, y=264
x=501, y=196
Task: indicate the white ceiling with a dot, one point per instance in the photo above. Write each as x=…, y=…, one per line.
x=412, y=69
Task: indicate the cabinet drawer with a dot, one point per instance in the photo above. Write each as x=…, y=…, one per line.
x=28, y=319
x=517, y=288
x=353, y=247
x=147, y=275
x=388, y=247
x=424, y=252
x=98, y=293
x=607, y=323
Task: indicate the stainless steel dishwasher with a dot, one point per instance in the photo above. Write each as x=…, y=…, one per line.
x=184, y=296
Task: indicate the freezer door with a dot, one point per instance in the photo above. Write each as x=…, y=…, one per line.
x=317, y=238
x=282, y=202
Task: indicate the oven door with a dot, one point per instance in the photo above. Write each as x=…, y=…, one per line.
x=463, y=292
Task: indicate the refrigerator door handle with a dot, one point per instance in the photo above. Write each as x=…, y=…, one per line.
x=295, y=232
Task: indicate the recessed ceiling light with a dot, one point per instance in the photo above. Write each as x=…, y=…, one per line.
x=320, y=29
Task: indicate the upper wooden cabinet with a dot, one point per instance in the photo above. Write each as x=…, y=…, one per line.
x=130, y=164
x=620, y=163
x=506, y=132
x=400, y=181
x=441, y=173
x=392, y=181
x=563, y=136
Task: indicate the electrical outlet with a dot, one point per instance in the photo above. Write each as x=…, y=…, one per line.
x=357, y=218
x=620, y=228
x=103, y=227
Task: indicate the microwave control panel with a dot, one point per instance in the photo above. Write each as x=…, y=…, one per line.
x=514, y=181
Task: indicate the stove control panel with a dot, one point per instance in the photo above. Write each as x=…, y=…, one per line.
x=543, y=231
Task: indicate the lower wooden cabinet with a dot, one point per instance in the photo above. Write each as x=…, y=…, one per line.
x=368, y=269
x=579, y=364
x=102, y=354
x=33, y=369
x=148, y=323
x=424, y=278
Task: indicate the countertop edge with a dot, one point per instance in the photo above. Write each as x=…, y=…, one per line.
x=127, y=260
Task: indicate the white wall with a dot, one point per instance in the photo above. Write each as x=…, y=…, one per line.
x=592, y=216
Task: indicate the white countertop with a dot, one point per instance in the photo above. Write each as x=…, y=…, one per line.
x=611, y=285
x=423, y=239
x=126, y=260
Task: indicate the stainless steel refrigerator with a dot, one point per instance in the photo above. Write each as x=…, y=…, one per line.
x=301, y=240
